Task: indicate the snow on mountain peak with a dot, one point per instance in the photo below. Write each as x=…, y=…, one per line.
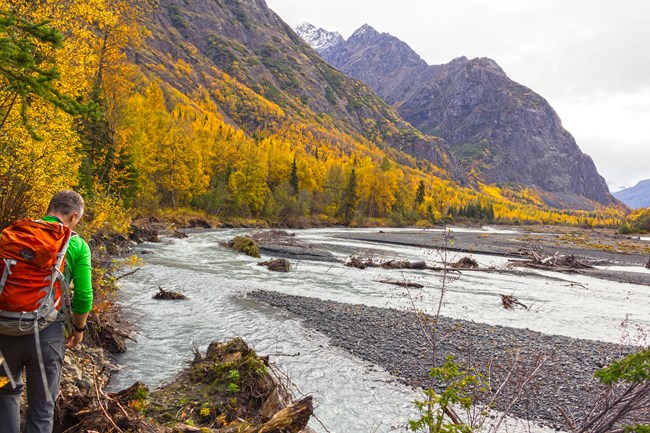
x=366, y=28
x=319, y=39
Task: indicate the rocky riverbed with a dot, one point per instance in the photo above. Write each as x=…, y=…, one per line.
x=605, y=247
x=395, y=340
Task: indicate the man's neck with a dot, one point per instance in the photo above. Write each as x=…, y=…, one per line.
x=59, y=217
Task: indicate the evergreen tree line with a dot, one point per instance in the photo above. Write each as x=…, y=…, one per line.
x=476, y=211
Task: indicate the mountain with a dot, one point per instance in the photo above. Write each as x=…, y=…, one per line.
x=637, y=196
x=500, y=131
x=267, y=63
x=318, y=38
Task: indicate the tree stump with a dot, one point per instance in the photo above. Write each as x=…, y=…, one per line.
x=510, y=301
x=465, y=263
x=277, y=265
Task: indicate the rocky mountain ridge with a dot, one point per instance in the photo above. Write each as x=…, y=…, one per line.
x=500, y=131
x=318, y=38
x=636, y=197
x=249, y=42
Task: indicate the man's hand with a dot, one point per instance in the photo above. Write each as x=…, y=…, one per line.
x=78, y=327
x=74, y=339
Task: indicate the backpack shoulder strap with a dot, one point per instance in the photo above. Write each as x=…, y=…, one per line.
x=6, y=273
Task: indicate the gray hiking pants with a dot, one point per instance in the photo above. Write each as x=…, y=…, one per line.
x=20, y=352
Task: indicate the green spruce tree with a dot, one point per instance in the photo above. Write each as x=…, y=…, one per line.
x=419, y=195
x=350, y=198
x=26, y=70
x=293, y=179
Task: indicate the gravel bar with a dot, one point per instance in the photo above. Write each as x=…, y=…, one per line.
x=508, y=244
x=394, y=340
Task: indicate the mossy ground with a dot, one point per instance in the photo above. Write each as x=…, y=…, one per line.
x=230, y=383
x=228, y=389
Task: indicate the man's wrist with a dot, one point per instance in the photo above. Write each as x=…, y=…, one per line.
x=79, y=328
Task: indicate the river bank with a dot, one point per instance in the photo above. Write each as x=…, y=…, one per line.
x=394, y=340
x=241, y=391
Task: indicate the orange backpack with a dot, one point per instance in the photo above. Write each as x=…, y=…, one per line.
x=32, y=255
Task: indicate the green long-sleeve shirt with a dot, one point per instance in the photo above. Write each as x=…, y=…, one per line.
x=78, y=271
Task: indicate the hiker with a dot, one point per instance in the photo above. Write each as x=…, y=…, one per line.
x=32, y=312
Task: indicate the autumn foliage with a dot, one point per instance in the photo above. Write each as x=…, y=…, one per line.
x=145, y=144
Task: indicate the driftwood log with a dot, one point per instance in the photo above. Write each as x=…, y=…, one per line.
x=402, y=283
x=465, y=263
x=278, y=243
x=403, y=264
x=510, y=301
x=168, y=295
x=291, y=419
x=277, y=265
x=358, y=262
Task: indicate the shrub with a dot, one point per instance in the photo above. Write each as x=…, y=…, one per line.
x=637, y=222
x=245, y=245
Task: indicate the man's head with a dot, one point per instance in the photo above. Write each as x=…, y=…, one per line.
x=68, y=206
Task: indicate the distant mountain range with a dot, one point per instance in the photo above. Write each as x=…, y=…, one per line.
x=637, y=196
x=499, y=131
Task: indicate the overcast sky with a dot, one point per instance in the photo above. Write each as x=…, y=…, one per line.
x=589, y=58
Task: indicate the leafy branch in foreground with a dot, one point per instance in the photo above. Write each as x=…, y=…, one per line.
x=634, y=368
x=627, y=391
x=27, y=68
x=459, y=389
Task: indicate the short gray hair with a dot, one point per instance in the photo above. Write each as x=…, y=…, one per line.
x=66, y=203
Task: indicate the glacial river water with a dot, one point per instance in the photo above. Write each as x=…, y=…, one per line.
x=350, y=395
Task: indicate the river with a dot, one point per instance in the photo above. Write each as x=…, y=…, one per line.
x=351, y=395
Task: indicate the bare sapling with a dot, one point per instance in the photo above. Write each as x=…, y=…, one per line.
x=625, y=397
x=461, y=398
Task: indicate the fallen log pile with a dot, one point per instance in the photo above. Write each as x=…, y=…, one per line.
x=559, y=263
x=556, y=261
x=228, y=390
x=363, y=262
